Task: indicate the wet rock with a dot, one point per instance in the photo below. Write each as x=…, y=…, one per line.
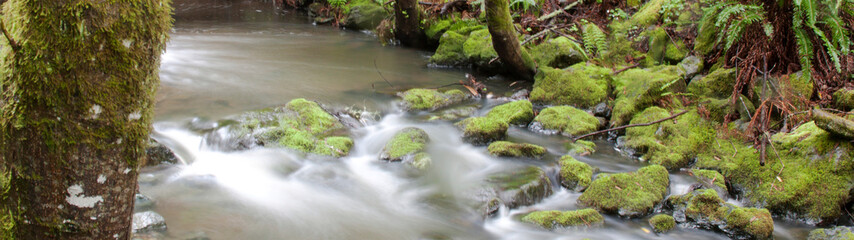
x=631, y=194
x=580, y=148
x=833, y=124
x=142, y=203
x=520, y=95
x=602, y=110
x=148, y=221
x=662, y=223
x=711, y=179
x=704, y=209
x=812, y=187
x=835, y=233
x=355, y=118
x=515, y=113
x=844, y=98
x=637, y=89
x=421, y=161
x=419, y=99
x=156, y=154
x=575, y=175
x=558, y=52
x=672, y=144
x=405, y=143
x=557, y=219
x=567, y=120
x=483, y=130
x=580, y=85
x=521, y=187
x=454, y=113
x=509, y=149
x=365, y=16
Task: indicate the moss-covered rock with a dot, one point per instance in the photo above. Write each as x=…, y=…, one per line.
x=690, y=66
x=574, y=174
x=558, y=52
x=580, y=148
x=810, y=179
x=422, y=160
x=662, y=48
x=450, y=50
x=454, y=113
x=566, y=120
x=704, y=209
x=711, y=179
x=662, y=223
x=478, y=48
x=717, y=84
x=420, y=99
x=463, y=26
x=580, y=85
x=718, y=109
x=835, y=233
x=367, y=15
x=672, y=144
x=844, y=98
x=648, y=14
x=637, y=89
x=301, y=125
x=406, y=142
x=707, y=35
x=558, y=219
x=509, y=149
x=631, y=194
x=521, y=187
x=483, y=130
x=515, y=113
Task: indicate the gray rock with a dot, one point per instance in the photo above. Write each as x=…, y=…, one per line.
x=148, y=221
x=836, y=233
x=142, y=203
x=690, y=66
x=156, y=154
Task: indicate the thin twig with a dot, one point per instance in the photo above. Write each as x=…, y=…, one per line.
x=628, y=126
x=556, y=12
x=381, y=74
x=539, y=34
x=626, y=68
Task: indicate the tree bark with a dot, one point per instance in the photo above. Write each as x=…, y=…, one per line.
x=75, y=112
x=407, y=24
x=505, y=42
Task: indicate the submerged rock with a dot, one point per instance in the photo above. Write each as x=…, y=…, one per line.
x=148, y=221
x=454, y=113
x=142, y=203
x=662, y=223
x=420, y=99
x=631, y=194
x=835, y=233
x=673, y=143
x=637, y=89
x=509, y=149
x=557, y=219
x=813, y=186
x=566, y=120
x=575, y=175
x=558, y=52
x=520, y=187
x=704, y=209
x=580, y=85
x=405, y=143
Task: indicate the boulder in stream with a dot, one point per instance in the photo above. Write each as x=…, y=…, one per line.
x=483, y=130
x=365, y=16
x=420, y=99
x=580, y=148
x=157, y=153
x=519, y=187
x=148, y=221
x=835, y=233
x=662, y=223
x=575, y=175
x=637, y=89
x=673, y=143
x=631, y=195
x=566, y=120
x=704, y=209
x=405, y=143
x=562, y=219
x=558, y=52
x=514, y=113
x=581, y=85
x=510, y=149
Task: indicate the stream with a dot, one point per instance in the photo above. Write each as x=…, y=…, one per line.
x=226, y=57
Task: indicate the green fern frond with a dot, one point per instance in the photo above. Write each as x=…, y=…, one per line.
x=804, y=48
x=838, y=33
x=337, y=3
x=594, y=39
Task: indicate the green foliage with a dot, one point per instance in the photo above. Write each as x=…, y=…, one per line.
x=821, y=18
x=670, y=10
x=523, y=5
x=732, y=18
x=594, y=40
x=337, y=3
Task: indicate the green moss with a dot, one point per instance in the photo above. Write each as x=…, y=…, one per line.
x=558, y=219
x=662, y=223
x=705, y=209
x=420, y=99
x=844, y=98
x=567, y=120
x=509, y=149
x=408, y=141
x=558, y=52
x=521, y=187
x=648, y=14
x=334, y=146
x=450, y=50
x=574, y=174
x=516, y=113
x=719, y=108
x=637, y=89
x=672, y=144
x=835, y=233
x=718, y=84
x=313, y=118
x=580, y=148
x=711, y=178
x=366, y=15
x=752, y=221
x=296, y=139
x=580, y=86
x=674, y=53
x=478, y=48
x=462, y=26
x=483, y=130
x=422, y=161
x=706, y=35
x=810, y=179
x=658, y=42
x=628, y=194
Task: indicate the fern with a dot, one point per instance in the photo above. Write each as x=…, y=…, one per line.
x=524, y=3
x=337, y=3
x=734, y=18
x=805, y=20
x=594, y=39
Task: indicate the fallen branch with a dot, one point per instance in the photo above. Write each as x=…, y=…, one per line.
x=627, y=68
x=556, y=12
x=628, y=126
x=539, y=34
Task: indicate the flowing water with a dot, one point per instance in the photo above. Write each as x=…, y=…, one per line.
x=228, y=57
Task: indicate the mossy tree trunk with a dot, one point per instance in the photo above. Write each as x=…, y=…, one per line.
x=505, y=42
x=407, y=24
x=76, y=107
